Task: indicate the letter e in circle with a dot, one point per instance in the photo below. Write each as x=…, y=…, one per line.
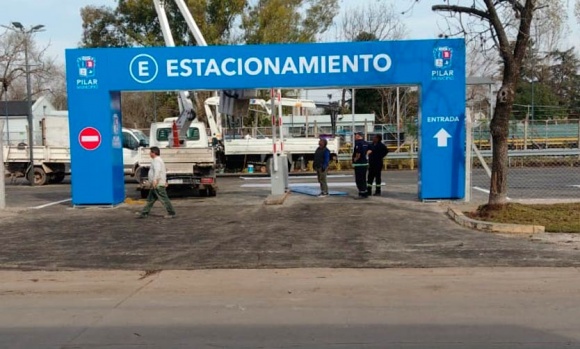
x=143, y=68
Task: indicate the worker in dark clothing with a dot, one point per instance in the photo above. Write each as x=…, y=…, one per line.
x=378, y=151
x=321, y=162
x=360, y=164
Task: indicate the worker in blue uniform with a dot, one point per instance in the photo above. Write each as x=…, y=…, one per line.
x=360, y=164
x=377, y=153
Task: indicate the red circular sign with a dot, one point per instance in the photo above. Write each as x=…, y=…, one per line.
x=90, y=138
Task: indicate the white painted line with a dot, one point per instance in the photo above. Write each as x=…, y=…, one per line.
x=481, y=189
x=298, y=177
x=575, y=186
x=90, y=138
x=333, y=185
x=485, y=191
x=50, y=204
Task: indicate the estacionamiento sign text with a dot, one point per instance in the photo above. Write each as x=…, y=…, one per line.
x=332, y=64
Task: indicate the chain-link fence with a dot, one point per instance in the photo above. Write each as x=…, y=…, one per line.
x=543, y=159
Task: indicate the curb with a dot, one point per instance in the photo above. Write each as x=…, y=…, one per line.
x=276, y=199
x=505, y=228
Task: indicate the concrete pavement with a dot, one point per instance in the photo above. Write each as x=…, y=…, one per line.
x=298, y=308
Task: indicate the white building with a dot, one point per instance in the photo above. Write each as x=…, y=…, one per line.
x=14, y=113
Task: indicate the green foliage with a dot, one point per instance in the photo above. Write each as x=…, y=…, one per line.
x=556, y=83
x=135, y=23
x=285, y=21
x=368, y=101
x=101, y=28
x=543, y=98
x=139, y=23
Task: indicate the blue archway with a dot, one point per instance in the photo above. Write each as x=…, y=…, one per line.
x=95, y=78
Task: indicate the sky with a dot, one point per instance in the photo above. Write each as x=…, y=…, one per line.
x=63, y=25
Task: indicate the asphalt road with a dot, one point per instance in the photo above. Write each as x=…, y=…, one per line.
x=533, y=183
x=523, y=184
x=454, y=308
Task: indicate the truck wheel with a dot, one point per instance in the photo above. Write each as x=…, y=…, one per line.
x=211, y=192
x=144, y=193
x=140, y=173
x=39, y=176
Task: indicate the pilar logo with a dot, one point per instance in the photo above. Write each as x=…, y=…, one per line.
x=86, y=66
x=443, y=57
x=443, y=62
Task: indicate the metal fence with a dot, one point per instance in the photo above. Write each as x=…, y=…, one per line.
x=543, y=158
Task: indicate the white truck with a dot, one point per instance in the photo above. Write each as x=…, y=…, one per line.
x=239, y=152
x=189, y=166
x=189, y=159
x=52, y=157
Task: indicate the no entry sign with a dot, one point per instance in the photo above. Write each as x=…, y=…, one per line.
x=90, y=138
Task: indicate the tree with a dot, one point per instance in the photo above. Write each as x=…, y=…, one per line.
x=503, y=25
x=135, y=23
x=544, y=98
x=565, y=77
x=101, y=28
x=47, y=77
x=287, y=21
x=374, y=21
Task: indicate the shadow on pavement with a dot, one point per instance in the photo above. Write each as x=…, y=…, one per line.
x=342, y=335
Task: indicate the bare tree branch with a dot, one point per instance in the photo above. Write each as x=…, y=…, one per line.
x=515, y=3
x=499, y=29
x=524, y=32
x=461, y=9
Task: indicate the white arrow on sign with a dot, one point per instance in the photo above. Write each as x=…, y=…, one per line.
x=442, y=137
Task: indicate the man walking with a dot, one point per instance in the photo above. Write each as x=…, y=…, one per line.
x=158, y=182
x=321, y=162
x=378, y=151
x=360, y=164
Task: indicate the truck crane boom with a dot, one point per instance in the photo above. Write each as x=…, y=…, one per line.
x=186, y=109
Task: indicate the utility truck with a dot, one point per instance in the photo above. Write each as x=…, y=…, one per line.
x=190, y=165
x=52, y=157
x=257, y=150
x=189, y=159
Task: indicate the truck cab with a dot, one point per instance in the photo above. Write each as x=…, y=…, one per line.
x=189, y=166
x=133, y=140
x=161, y=134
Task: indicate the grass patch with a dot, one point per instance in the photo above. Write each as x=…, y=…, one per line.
x=557, y=218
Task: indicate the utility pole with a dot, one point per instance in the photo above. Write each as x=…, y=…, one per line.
x=5, y=88
x=18, y=27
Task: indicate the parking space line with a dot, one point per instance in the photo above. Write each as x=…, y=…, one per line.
x=486, y=191
x=50, y=204
x=301, y=177
x=575, y=186
x=331, y=185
